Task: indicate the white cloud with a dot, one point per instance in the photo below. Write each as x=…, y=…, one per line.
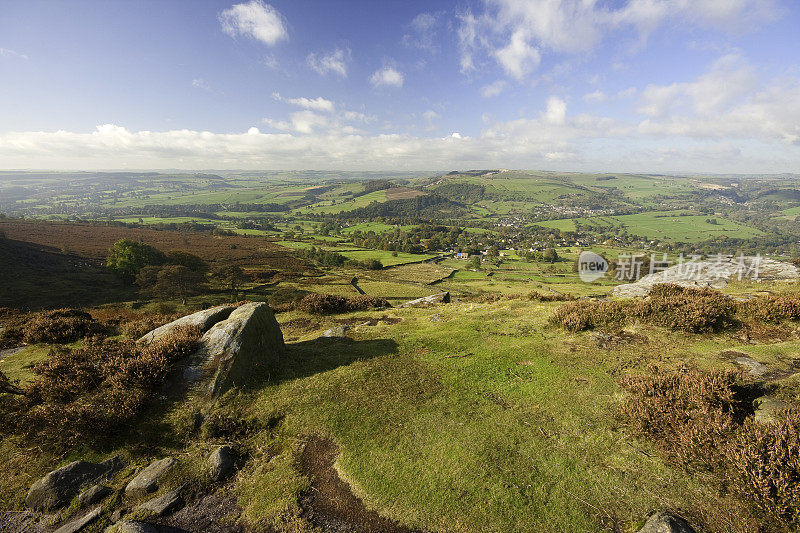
x=516, y=32
x=423, y=31
x=334, y=61
x=200, y=83
x=729, y=79
x=430, y=114
x=493, y=89
x=595, y=97
x=316, y=104
x=556, y=111
x=388, y=76
x=630, y=92
x=6, y=52
x=518, y=58
x=709, y=128
x=301, y=122
x=254, y=19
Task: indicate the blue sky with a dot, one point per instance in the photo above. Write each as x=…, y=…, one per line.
x=626, y=85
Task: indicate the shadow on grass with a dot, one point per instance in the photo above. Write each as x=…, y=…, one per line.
x=304, y=359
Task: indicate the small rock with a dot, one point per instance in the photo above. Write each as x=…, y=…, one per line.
x=338, y=332
x=425, y=301
x=93, y=494
x=436, y=318
x=663, y=522
x=77, y=525
x=768, y=409
x=146, y=481
x=165, y=503
x=61, y=485
x=221, y=463
x=131, y=526
x=754, y=368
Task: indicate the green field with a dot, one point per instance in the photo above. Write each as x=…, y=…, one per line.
x=675, y=226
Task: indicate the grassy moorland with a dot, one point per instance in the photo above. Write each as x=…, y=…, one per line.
x=516, y=407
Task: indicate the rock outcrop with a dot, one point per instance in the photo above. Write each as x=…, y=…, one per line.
x=221, y=463
x=57, y=488
x=337, y=332
x=233, y=349
x=768, y=409
x=710, y=273
x=79, y=523
x=132, y=526
x=237, y=341
x=166, y=503
x=425, y=301
x=94, y=494
x=146, y=481
x=202, y=320
x=663, y=522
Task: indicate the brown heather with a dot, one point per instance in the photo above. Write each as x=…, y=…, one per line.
x=88, y=393
x=703, y=421
x=672, y=306
x=328, y=304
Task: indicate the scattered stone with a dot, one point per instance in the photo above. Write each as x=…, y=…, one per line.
x=93, y=495
x=663, y=522
x=221, y=463
x=338, y=332
x=59, y=486
x=165, y=503
x=768, y=409
x=754, y=368
x=80, y=523
x=710, y=273
x=146, y=481
x=131, y=526
x=235, y=348
x=202, y=319
x=425, y=301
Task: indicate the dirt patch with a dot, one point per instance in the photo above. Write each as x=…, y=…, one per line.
x=330, y=504
x=211, y=513
x=617, y=338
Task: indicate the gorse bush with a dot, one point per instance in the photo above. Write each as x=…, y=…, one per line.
x=329, y=304
x=61, y=325
x=668, y=305
x=88, y=392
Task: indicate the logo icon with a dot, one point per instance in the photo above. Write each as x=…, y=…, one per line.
x=591, y=266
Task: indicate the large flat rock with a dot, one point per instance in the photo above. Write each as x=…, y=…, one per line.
x=146, y=481
x=58, y=487
x=202, y=320
x=425, y=301
x=714, y=273
x=232, y=350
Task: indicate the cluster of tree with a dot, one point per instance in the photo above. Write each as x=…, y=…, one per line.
x=335, y=259
x=173, y=274
x=422, y=207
